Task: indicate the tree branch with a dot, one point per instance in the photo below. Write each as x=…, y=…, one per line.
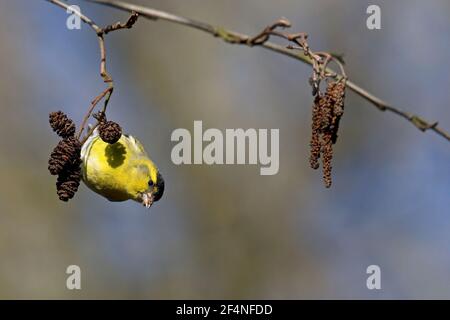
x=100, y=32
x=242, y=39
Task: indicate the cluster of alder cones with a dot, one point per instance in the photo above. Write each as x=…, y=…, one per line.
x=327, y=111
x=65, y=161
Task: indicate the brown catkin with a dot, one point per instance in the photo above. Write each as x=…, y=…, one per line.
x=327, y=150
x=328, y=109
x=336, y=95
x=315, y=137
x=61, y=124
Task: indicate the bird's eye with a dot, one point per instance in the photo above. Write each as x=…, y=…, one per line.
x=150, y=183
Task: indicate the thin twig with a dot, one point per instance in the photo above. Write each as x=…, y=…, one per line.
x=92, y=107
x=100, y=32
x=238, y=38
x=127, y=25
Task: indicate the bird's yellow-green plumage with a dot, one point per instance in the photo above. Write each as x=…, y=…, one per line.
x=120, y=171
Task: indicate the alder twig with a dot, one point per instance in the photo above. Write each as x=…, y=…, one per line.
x=261, y=40
x=93, y=105
x=127, y=25
x=100, y=32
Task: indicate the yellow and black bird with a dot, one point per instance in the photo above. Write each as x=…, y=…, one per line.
x=120, y=171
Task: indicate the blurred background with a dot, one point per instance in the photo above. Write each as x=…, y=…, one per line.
x=226, y=231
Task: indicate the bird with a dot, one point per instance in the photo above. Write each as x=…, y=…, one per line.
x=120, y=171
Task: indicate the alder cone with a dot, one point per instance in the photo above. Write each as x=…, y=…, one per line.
x=110, y=131
x=61, y=124
x=66, y=153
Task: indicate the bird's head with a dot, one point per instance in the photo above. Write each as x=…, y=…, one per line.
x=151, y=185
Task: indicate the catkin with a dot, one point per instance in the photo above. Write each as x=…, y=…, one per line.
x=327, y=111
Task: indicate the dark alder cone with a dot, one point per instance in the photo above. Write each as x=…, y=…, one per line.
x=64, y=155
x=110, y=131
x=68, y=181
x=61, y=124
x=65, y=158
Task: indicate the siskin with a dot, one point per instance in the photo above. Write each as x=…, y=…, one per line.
x=120, y=171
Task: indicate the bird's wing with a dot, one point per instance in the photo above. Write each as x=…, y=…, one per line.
x=134, y=143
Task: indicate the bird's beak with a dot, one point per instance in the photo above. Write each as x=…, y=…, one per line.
x=147, y=199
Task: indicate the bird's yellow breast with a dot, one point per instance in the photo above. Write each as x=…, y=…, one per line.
x=118, y=171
